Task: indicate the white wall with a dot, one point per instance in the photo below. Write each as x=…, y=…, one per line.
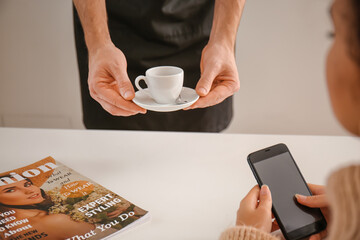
x=39, y=84
x=282, y=46
x=281, y=50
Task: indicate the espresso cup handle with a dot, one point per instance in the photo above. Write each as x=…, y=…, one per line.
x=137, y=80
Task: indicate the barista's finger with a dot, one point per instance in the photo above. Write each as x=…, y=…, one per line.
x=215, y=96
x=125, y=87
x=207, y=77
x=109, y=95
x=113, y=110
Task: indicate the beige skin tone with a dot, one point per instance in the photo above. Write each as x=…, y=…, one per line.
x=56, y=226
x=318, y=200
x=343, y=72
x=108, y=80
x=20, y=193
x=343, y=78
x=256, y=213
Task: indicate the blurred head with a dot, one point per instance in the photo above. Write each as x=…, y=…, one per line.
x=343, y=64
x=343, y=190
x=20, y=193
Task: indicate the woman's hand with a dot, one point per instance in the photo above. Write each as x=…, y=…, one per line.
x=255, y=209
x=318, y=200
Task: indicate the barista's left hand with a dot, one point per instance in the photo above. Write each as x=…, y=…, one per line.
x=219, y=76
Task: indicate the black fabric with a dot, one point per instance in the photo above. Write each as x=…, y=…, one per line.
x=153, y=33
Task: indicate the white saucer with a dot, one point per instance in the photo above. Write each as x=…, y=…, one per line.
x=143, y=99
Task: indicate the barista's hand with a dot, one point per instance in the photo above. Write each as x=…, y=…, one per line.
x=256, y=214
x=109, y=83
x=318, y=200
x=219, y=76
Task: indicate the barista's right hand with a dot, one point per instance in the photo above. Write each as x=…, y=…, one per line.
x=109, y=83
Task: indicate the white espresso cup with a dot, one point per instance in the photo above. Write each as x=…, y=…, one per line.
x=164, y=83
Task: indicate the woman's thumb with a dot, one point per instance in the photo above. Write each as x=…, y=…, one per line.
x=265, y=197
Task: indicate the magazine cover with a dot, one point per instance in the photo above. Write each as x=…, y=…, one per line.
x=47, y=200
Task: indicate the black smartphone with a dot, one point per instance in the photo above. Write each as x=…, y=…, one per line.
x=275, y=167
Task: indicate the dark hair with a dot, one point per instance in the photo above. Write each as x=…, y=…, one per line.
x=354, y=41
x=44, y=205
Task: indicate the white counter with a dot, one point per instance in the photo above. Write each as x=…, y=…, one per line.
x=191, y=183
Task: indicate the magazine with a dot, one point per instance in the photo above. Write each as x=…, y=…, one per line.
x=48, y=200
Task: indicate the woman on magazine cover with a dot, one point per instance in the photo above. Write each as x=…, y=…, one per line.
x=30, y=203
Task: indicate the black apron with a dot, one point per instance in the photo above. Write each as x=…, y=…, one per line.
x=152, y=33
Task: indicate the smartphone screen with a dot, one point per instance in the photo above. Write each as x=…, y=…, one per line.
x=276, y=168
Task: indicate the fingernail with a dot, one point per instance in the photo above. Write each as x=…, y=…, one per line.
x=127, y=94
x=202, y=91
x=300, y=197
x=264, y=190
